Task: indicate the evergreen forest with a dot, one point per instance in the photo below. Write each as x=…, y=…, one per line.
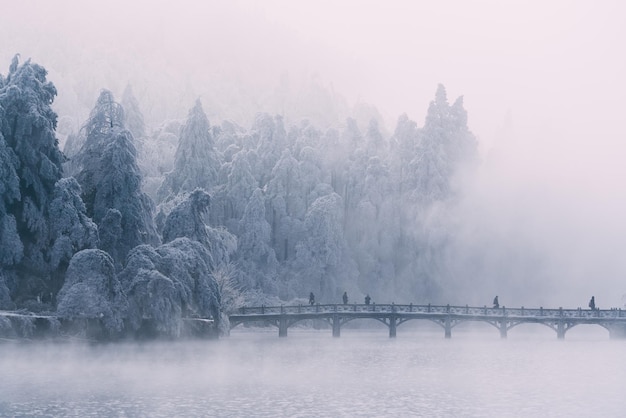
x=194, y=218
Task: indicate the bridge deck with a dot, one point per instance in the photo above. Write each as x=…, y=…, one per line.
x=482, y=312
x=445, y=315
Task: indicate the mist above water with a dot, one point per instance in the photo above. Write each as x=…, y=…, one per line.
x=312, y=374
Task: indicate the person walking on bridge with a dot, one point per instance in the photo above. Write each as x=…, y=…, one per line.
x=496, y=304
x=367, y=299
x=592, y=303
x=345, y=298
x=311, y=299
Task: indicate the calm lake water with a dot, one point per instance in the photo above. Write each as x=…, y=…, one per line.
x=311, y=374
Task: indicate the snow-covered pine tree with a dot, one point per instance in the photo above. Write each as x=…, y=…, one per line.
x=445, y=144
x=302, y=136
x=111, y=179
x=73, y=144
x=105, y=119
x=92, y=291
x=376, y=145
x=111, y=234
x=255, y=256
x=196, y=162
x=334, y=155
x=286, y=206
x=30, y=167
x=187, y=219
x=323, y=263
x=241, y=184
x=312, y=174
x=230, y=199
x=402, y=150
x=269, y=136
x=11, y=247
x=70, y=229
x=119, y=187
x=133, y=117
x=375, y=231
x=231, y=134
x=156, y=156
x=169, y=283
x=355, y=166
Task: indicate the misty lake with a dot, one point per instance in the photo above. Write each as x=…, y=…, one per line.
x=363, y=373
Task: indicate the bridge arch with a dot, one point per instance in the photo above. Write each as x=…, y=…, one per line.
x=607, y=327
x=345, y=320
x=514, y=324
x=270, y=322
x=458, y=321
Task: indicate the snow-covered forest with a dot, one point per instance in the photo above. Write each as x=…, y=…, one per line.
x=191, y=218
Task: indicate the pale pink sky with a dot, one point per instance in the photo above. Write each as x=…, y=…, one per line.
x=551, y=63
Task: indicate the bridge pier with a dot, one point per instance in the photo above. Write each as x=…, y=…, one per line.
x=448, y=327
x=503, y=329
x=392, y=326
x=282, y=326
x=336, y=326
x=560, y=330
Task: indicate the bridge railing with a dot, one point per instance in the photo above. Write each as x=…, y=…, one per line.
x=432, y=309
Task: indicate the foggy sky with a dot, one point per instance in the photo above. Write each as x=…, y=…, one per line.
x=543, y=84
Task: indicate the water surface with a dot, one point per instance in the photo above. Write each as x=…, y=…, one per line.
x=363, y=373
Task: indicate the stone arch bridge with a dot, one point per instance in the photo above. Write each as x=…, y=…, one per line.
x=503, y=319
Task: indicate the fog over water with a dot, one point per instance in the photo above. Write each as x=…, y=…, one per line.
x=364, y=373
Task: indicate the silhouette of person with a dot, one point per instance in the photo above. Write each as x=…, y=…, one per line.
x=311, y=299
x=496, y=304
x=345, y=298
x=367, y=299
x=592, y=303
